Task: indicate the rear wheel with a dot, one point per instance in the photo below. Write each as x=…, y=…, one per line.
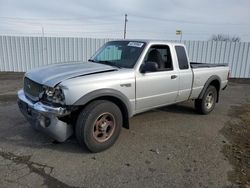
x=207, y=103
x=99, y=125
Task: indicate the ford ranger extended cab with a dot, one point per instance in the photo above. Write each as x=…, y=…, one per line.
x=95, y=99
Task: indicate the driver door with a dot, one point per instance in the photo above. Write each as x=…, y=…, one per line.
x=159, y=88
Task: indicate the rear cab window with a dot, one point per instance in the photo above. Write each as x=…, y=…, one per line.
x=182, y=57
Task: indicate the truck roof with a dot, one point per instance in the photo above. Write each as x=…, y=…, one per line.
x=149, y=41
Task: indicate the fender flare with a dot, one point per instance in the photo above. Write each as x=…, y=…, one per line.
x=106, y=93
x=208, y=82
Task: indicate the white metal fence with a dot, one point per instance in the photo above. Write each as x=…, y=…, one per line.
x=20, y=54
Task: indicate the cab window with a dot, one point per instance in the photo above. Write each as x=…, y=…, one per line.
x=160, y=54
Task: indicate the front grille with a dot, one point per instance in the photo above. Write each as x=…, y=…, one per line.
x=32, y=89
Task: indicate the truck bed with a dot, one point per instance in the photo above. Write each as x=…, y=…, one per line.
x=202, y=72
x=196, y=65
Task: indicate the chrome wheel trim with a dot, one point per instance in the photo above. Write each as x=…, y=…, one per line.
x=209, y=101
x=104, y=127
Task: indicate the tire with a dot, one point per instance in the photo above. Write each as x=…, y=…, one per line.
x=98, y=125
x=207, y=103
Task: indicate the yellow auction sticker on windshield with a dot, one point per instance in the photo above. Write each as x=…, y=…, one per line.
x=135, y=44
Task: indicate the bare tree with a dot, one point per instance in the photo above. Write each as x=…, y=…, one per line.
x=225, y=38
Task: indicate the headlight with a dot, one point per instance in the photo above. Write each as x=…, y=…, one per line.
x=54, y=95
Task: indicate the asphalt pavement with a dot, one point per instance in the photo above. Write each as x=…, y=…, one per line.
x=166, y=147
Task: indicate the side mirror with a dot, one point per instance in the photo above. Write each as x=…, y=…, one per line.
x=149, y=66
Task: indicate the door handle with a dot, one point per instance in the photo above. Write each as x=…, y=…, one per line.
x=173, y=76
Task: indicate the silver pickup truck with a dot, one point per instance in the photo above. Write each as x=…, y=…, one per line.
x=95, y=99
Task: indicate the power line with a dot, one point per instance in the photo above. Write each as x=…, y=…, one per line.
x=60, y=24
x=70, y=27
x=82, y=18
x=60, y=18
x=187, y=21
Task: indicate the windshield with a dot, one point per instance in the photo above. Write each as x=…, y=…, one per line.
x=122, y=54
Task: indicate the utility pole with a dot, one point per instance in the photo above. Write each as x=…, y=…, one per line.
x=125, y=26
x=42, y=31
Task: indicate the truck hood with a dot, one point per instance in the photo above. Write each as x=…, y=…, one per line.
x=53, y=74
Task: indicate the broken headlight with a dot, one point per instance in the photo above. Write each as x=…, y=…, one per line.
x=54, y=95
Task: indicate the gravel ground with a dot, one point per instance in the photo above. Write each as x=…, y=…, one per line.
x=167, y=147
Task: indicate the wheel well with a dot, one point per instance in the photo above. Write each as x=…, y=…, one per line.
x=120, y=104
x=216, y=84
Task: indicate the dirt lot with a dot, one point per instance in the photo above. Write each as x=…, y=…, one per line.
x=166, y=147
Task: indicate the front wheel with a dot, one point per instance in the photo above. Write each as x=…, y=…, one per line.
x=207, y=103
x=99, y=125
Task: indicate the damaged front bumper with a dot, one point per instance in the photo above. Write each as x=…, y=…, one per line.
x=45, y=118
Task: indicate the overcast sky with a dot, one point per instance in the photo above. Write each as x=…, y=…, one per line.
x=155, y=19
